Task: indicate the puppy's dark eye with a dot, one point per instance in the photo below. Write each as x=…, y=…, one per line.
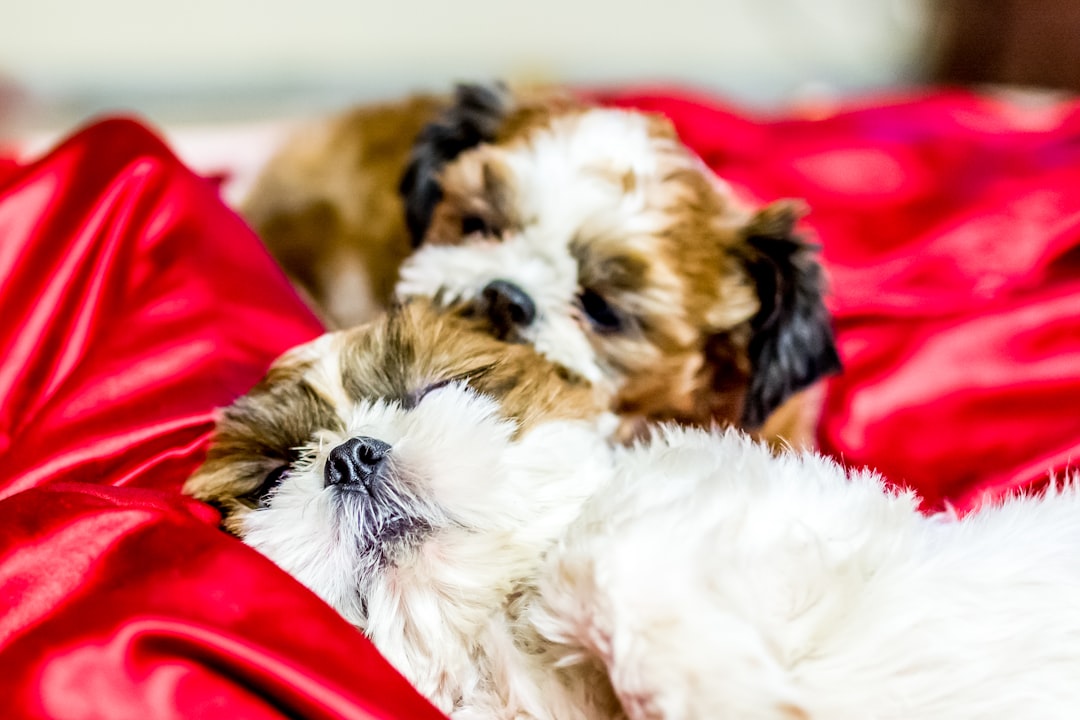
x=261, y=494
x=471, y=224
x=603, y=317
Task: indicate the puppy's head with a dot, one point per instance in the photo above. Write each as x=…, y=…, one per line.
x=595, y=235
x=410, y=473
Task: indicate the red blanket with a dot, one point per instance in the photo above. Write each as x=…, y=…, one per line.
x=134, y=302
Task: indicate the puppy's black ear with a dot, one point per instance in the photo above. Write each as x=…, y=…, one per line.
x=473, y=118
x=791, y=342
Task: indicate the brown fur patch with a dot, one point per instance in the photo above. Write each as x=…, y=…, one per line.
x=794, y=424
x=417, y=346
x=477, y=185
x=328, y=209
x=792, y=711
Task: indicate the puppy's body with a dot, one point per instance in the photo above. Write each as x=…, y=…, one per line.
x=453, y=496
x=716, y=580
x=328, y=209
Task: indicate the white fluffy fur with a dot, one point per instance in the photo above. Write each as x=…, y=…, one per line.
x=696, y=575
x=567, y=175
x=717, y=581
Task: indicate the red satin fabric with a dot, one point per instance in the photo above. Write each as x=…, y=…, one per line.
x=134, y=303
x=950, y=226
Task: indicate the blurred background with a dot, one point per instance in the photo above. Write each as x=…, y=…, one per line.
x=202, y=60
x=245, y=63
x=61, y=60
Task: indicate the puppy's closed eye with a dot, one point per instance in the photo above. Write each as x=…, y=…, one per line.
x=415, y=397
x=261, y=495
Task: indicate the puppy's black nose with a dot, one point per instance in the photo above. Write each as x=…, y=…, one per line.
x=357, y=461
x=507, y=306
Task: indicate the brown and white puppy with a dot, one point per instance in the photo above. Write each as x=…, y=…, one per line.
x=412, y=472
x=597, y=236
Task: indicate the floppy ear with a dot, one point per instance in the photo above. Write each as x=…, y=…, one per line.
x=473, y=118
x=791, y=341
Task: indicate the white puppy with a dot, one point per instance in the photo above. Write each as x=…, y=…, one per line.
x=453, y=497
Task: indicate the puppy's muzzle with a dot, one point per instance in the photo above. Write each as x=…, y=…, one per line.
x=357, y=464
x=507, y=306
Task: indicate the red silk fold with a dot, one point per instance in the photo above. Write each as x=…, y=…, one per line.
x=129, y=603
x=135, y=303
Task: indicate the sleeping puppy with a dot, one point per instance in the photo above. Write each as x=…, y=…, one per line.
x=412, y=473
x=595, y=235
x=453, y=497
